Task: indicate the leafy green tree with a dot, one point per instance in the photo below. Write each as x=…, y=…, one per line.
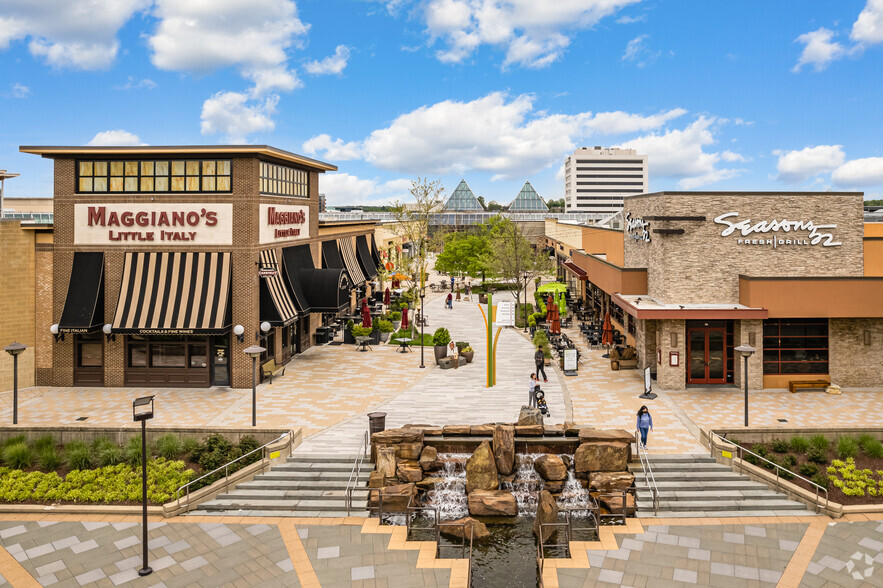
x=465, y=253
x=512, y=257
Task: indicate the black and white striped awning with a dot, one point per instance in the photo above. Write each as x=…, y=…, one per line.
x=277, y=307
x=363, y=252
x=174, y=293
x=351, y=261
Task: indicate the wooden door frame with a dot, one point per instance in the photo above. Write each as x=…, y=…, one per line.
x=706, y=380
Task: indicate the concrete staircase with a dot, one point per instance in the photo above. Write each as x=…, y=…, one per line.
x=304, y=486
x=697, y=486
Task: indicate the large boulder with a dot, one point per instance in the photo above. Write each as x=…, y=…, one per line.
x=610, y=481
x=614, y=503
x=395, y=498
x=571, y=429
x=429, y=483
x=456, y=430
x=429, y=459
x=547, y=512
x=454, y=529
x=481, y=430
x=554, y=430
x=504, y=448
x=386, y=461
x=554, y=486
x=376, y=480
x=481, y=469
x=601, y=457
x=396, y=436
x=409, y=450
x=588, y=435
x=409, y=471
x=530, y=416
x=492, y=503
x=529, y=430
x=550, y=467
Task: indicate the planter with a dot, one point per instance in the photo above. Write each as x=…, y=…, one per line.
x=547, y=361
x=628, y=364
x=396, y=325
x=482, y=299
x=441, y=351
x=384, y=337
x=375, y=337
x=468, y=355
x=614, y=365
x=348, y=336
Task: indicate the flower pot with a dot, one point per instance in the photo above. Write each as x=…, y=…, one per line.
x=396, y=325
x=614, y=365
x=547, y=361
x=384, y=337
x=441, y=351
x=468, y=355
x=348, y=337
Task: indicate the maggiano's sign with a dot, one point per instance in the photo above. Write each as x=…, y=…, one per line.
x=758, y=233
x=150, y=224
x=284, y=223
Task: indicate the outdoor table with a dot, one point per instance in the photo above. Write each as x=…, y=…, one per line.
x=404, y=345
x=364, y=343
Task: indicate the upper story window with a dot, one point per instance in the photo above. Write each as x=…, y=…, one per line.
x=280, y=180
x=191, y=175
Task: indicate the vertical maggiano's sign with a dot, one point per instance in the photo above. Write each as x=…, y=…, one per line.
x=152, y=224
x=805, y=232
x=281, y=223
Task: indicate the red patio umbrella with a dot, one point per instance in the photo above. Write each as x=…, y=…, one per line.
x=366, y=314
x=552, y=316
x=404, y=318
x=607, y=334
x=386, y=297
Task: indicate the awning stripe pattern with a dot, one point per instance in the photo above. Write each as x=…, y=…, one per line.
x=84, y=305
x=174, y=291
x=278, y=292
x=351, y=261
x=363, y=252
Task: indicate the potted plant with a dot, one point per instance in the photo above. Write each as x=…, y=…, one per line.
x=348, y=333
x=385, y=328
x=628, y=358
x=532, y=324
x=614, y=359
x=360, y=331
x=465, y=350
x=440, y=340
x=396, y=318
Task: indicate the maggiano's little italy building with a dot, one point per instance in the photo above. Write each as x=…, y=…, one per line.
x=166, y=262
x=797, y=276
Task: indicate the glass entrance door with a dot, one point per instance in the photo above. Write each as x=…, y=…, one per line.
x=220, y=362
x=706, y=356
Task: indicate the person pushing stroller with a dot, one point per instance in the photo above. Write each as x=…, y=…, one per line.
x=541, y=401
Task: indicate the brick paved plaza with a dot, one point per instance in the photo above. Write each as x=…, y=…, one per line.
x=328, y=390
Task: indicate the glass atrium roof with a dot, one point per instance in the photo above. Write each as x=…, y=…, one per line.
x=528, y=200
x=463, y=200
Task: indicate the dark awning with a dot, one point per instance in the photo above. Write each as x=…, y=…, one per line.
x=293, y=260
x=328, y=290
x=364, y=255
x=375, y=252
x=576, y=270
x=84, y=306
x=276, y=308
x=351, y=261
x=331, y=258
x=178, y=293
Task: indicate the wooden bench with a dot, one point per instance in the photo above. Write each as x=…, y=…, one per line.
x=270, y=369
x=794, y=385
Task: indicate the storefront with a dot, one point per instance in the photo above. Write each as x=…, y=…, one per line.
x=705, y=272
x=168, y=261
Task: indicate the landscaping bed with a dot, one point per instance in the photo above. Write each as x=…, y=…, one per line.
x=851, y=468
x=102, y=472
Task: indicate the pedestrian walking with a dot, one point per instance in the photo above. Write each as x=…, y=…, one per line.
x=531, y=392
x=468, y=289
x=449, y=301
x=645, y=424
x=455, y=353
x=452, y=283
x=540, y=359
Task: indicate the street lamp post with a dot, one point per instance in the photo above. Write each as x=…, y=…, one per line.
x=422, y=322
x=746, y=351
x=254, y=352
x=142, y=410
x=525, y=302
x=15, y=349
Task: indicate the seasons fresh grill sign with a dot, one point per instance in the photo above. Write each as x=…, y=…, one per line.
x=148, y=224
x=776, y=233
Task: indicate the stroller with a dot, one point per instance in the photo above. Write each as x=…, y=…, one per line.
x=541, y=402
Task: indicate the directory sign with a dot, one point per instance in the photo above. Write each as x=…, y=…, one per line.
x=505, y=314
x=570, y=360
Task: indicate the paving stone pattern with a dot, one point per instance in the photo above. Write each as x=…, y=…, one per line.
x=849, y=554
x=708, y=555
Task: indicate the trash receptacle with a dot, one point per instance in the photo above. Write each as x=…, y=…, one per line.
x=376, y=422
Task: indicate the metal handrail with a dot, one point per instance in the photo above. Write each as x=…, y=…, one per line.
x=649, y=478
x=623, y=494
x=742, y=451
x=541, y=548
x=354, y=473
x=594, y=512
x=226, y=468
x=414, y=509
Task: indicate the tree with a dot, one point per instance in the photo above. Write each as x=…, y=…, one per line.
x=481, y=201
x=555, y=204
x=493, y=206
x=412, y=223
x=512, y=256
x=465, y=253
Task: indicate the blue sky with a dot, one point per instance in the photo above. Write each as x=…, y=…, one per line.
x=753, y=95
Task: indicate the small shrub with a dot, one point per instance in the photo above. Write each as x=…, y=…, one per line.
x=759, y=450
x=190, y=445
x=799, y=444
x=852, y=481
x=819, y=442
x=78, y=457
x=752, y=459
x=821, y=480
x=168, y=446
x=360, y=331
x=15, y=440
x=789, y=461
x=384, y=326
x=18, y=455
x=734, y=440
x=132, y=452
x=847, y=447
x=785, y=474
x=873, y=449
x=780, y=446
x=461, y=345
x=768, y=464
x=809, y=470
x=441, y=337
x=249, y=443
x=48, y=459
x=816, y=455
x=111, y=455
x=215, y=452
x=43, y=442
x=395, y=316
x=865, y=438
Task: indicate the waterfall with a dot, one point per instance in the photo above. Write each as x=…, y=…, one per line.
x=449, y=496
x=527, y=484
x=573, y=496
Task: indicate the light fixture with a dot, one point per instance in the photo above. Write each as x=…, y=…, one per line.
x=142, y=411
x=239, y=331
x=746, y=351
x=674, y=339
x=867, y=337
x=108, y=332
x=265, y=326
x=751, y=339
x=254, y=352
x=15, y=349
x=54, y=330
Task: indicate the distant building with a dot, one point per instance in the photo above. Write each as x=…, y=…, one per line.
x=463, y=200
x=528, y=201
x=595, y=180
x=321, y=202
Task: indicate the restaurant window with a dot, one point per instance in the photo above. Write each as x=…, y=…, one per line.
x=90, y=351
x=616, y=313
x=269, y=345
x=795, y=346
x=167, y=355
x=163, y=352
x=192, y=175
x=282, y=180
x=197, y=356
x=286, y=337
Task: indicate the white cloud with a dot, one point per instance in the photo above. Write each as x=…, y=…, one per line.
x=344, y=188
x=235, y=115
x=636, y=52
x=79, y=34
x=533, y=34
x=20, y=90
x=135, y=84
x=631, y=19
x=333, y=64
x=797, y=166
x=117, y=137
x=860, y=172
x=199, y=36
x=819, y=50
x=332, y=149
x=681, y=154
x=731, y=156
x=868, y=28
